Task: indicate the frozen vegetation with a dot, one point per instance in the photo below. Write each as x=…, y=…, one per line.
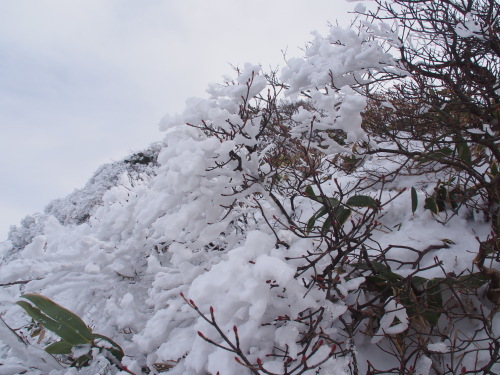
x=334, y=217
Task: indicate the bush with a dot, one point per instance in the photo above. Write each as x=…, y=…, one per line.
x=341, y=217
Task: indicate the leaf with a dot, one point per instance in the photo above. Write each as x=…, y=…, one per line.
x=431, y=316
x=418, y=281
x=494, y=169
x=333, y=202
x=310, y=223
x=320, y=213
x=362, y=201
x=435, y=155
x=463, y=151
x=433, y=289
x=57, y=319
x=81, y=361
x=51, y=324
x=163, y=367
x=116, y=349
x=383, y=272
x=434, y=304
x=496, y=221
x=59, y=347
x=414, y=200
x=340, y=217
x=431, y=204
x=448, y=241
x=472, y=281
x=310, y=192
x=375, y=283
x=377, y=266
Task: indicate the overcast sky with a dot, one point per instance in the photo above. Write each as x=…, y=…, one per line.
x=85, y=82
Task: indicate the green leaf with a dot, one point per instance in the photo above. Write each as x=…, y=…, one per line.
x=431, y=316
x=310, y=192
x=434, y=303
x=37, y=315
x=81, y=361
x=418, y=281
x=326, y=225
x=340, y=217
x=494, y=169
x=310, y=223
x=463, y=151
x=362, y=201
x=472, y=281
x=383, y=272
x=496, y=222
x=57, y=319
x=320, y=213
x=433, y=289
x=435, y=155
x=375, y=283
x=334, y=203
x=116, y=349
x=414, y=200
x=431, y=204
x=59, y=347
x=377, y=266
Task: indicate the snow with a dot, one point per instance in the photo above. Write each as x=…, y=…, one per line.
x=469, y=27
x=360, y=8
x=439, y=347
x=393, y=322
x=423, y=365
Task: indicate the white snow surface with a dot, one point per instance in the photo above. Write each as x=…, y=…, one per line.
x=393, y=322
x=439, y=347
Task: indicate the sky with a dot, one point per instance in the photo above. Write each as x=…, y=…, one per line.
x=86, y=82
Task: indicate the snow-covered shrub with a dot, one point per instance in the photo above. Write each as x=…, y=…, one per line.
x=29, y=227
x=77, y=207
x=289, y=228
